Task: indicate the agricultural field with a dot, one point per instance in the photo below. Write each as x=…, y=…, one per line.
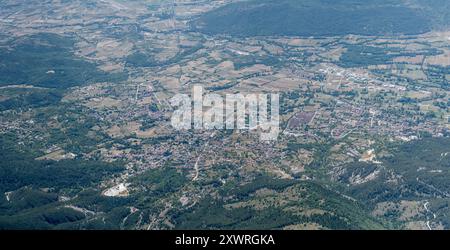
x=86, y=140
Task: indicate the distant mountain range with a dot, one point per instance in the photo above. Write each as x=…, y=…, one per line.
x=324, y=18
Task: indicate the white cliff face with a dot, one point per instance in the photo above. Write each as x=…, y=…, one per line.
x=8, y=195
x=120, y=190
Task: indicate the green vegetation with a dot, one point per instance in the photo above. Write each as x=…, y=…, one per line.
x=363, y=56
x=72, y=155
x=313, y=18
x=213, y=213
x=424, y=168
x=29, y=98
x=47, y=60
x=19, y=168
x=161, y=181
x=145, y=59
x=42, y=218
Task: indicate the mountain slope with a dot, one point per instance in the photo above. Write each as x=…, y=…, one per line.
x=314, y=18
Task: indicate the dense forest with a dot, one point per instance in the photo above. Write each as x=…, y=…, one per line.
x=47, y=60
x=314, y=18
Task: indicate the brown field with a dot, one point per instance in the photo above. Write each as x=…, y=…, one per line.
x=104, y=103
x=441, y=60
